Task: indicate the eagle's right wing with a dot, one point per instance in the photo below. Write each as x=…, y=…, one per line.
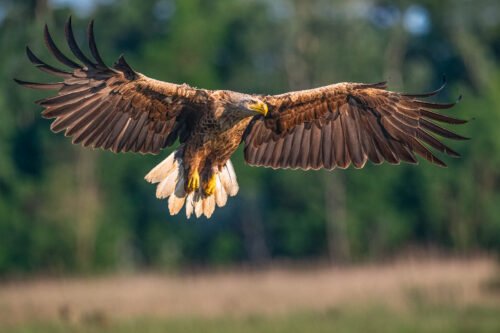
x=114, y=108
x=348, y=123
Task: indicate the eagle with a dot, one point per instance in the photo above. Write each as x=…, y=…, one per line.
x=119, y=109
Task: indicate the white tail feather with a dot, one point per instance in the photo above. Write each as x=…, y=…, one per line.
x=220, y=193
x=167, y=186
x=175, y=204
x=170, y=176
x=209, y=206
x=228, y=179
x=198, y=204
x=189, y=204
x=162, y=170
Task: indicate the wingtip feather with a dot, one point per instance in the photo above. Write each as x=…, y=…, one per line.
x=73, y=45
x=93, y=46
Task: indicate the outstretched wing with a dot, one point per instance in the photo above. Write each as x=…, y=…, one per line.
x=114, y=108
x=347, y=123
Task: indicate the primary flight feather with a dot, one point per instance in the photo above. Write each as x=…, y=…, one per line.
x=119, y=109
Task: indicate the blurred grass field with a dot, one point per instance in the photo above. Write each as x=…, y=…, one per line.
x=425, y=295
x=373, y=319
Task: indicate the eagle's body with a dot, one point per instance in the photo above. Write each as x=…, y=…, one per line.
x=329, y=127
x=213, y=140
x=218, y=132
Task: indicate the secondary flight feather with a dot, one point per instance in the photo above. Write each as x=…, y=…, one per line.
x=119, y=109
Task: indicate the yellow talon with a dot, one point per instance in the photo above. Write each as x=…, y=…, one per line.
x=209, y=188
x=194, y=182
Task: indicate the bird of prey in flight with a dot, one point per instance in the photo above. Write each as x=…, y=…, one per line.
x=335, y=126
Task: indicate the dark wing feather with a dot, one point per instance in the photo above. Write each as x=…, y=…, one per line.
x=114, y=108
x=348, y=123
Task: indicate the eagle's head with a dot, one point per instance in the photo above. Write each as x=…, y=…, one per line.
x=255, y=105
x=244, y=105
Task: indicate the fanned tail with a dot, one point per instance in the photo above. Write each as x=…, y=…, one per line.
x=169, y=175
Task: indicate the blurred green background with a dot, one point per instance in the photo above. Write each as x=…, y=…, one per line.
x=69, y=211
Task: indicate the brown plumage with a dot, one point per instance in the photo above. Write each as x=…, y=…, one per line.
x=119, y=109
x=347, y=123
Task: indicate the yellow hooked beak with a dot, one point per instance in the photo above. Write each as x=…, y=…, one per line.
x=259, y=107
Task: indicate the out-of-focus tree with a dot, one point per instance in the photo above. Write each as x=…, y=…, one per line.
x=63, y=208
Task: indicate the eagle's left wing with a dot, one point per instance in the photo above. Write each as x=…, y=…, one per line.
x=347, y=123
x=115, y=107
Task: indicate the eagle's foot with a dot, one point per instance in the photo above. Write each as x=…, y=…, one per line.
x=209, y=187
x=193, y=182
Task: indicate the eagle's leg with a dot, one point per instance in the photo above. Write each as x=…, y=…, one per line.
x=193, y=180
x=209, y=186
x=209, y=178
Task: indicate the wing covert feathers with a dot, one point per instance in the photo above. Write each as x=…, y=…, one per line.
x=348, y=124
x=113, y=108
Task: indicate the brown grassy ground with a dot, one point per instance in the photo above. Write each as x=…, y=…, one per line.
x=242, y=293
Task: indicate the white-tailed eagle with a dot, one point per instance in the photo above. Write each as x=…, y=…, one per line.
x=119, y=109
